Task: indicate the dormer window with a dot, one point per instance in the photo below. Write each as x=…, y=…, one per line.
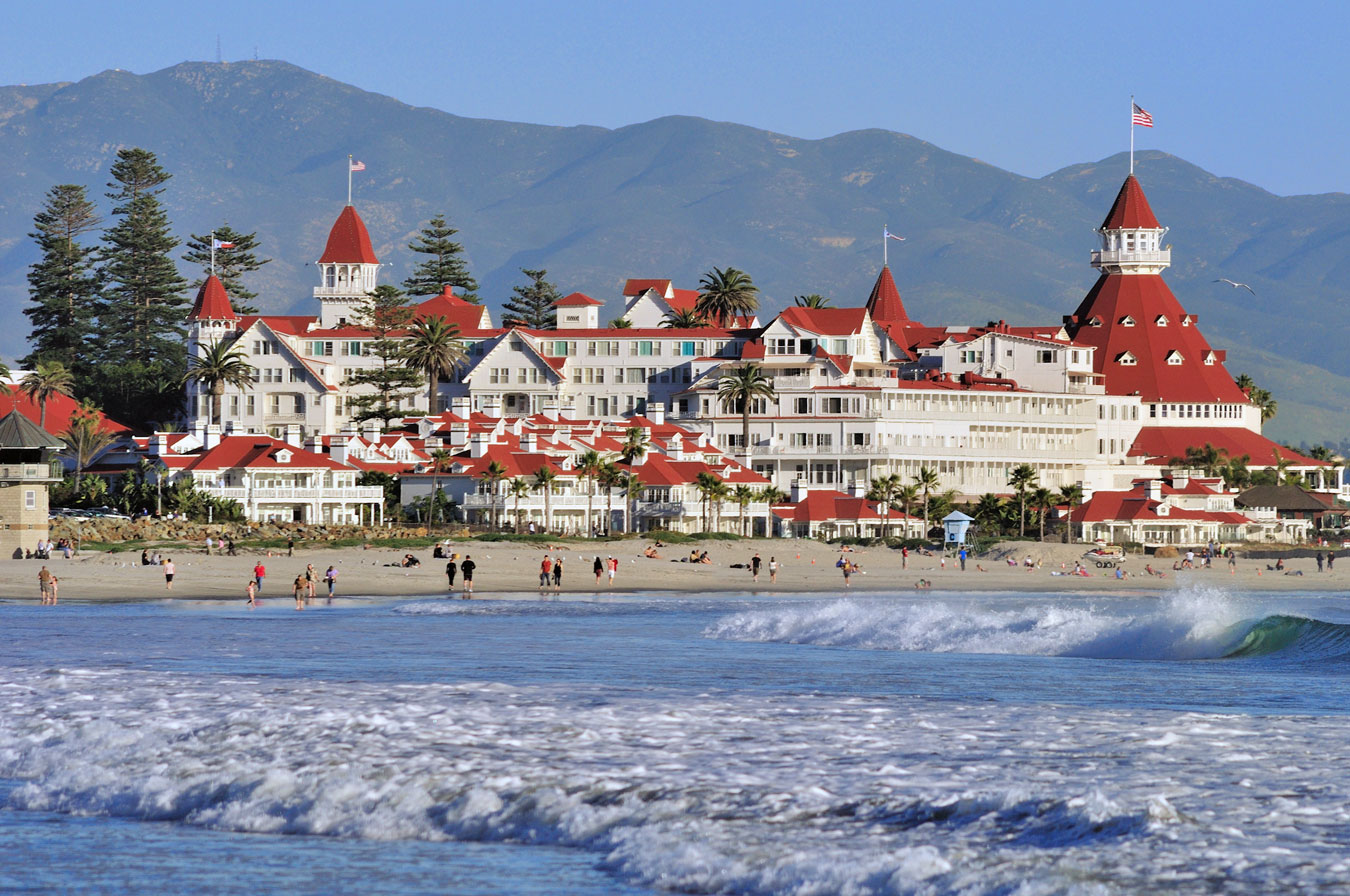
x=1174, y=359
x=1209, y=359
x=1095, y=322
x=1186, y=320
x=1162, y=320
x=1126, y=359
x=1127, y=321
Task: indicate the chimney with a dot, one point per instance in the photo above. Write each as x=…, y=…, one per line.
x=293, y=436
x=461, y=406
x=656, y=412
x=1181, y=478
x=337, y=450
x=529, y=443
x=492, y=406
x=371, y=430
x=799, y=490
x=211, y=436
x=1155, y=489
x=550, y=410
x=858, y=488
x=677, y=448
x=199, y=431
x=159, y=444
x=459, y=435
x=229, y=427
x=478, y=444
x=314, y=443
x=702, y=440
x=433, y=442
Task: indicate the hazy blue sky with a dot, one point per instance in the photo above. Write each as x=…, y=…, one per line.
x=1250, y=90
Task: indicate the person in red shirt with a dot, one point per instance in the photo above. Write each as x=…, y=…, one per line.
x=259, y=573
x=545, y=572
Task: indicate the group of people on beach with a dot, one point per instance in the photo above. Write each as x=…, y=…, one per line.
x=465, y=569
x=303, y=589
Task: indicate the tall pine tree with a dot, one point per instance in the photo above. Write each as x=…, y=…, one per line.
x=444, y=264
x=63, y=285
x=233, y=260
x=532, y=305
x=141, y=339
x=386, y=316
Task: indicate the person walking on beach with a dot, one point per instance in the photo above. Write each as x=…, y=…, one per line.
x=467, y=568
x=1331, y=560
x=904, y=557
x=251, y=589
x=331, y=578
x=299, y=589
x=599, y=567
x=773, y=570
x=962, y=555
x=259, y=573
x=450, y=569
x=613, y=566
x=209, y=544
x=557, y=575
x=168, y=574
x=45, y=585
x=545, y=573
x=1318, y=555
x=754, y=567
x=290, y=547
x=846, y=566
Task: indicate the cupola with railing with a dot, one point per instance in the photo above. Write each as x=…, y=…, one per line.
x=1131, y=237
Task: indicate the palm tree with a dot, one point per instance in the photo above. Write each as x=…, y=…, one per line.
x=1245, y=382
x=1042, y=499
x=883, y=491
x=927, y=482
x=1073, y=496
x=684, y=319
x=989, y=511
x=221, y=364
x=84, y=440
x=814, y=300
x=907, y=496
x=738, y=388
x=621, y=323
x=588, y=468
x=724, y=295
x=433, y=350
x=634, y=444
x=1235, y=473
x=543, y=480
x=1022, y=479
x=706, y=483
x=1208, y=459
x=720, y=493
x=772, y=495
x=493, y=474
x=609, y=478
x=440, y=461
x=1263, y=400
x=743, y=495
x=632, y=490
x=519, y=488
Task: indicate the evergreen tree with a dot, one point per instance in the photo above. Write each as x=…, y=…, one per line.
x=386, y=315
x=233, y=261
x=532, y=306
x=141, y=339
x=444, y=265
x=63, y=285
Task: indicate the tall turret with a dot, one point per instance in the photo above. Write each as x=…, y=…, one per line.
x=347, y=270
x=212, y=317
x=1131, y=236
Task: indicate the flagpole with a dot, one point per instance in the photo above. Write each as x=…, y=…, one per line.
x=213, y=253
x=349, y=167
x=1131, y=133
x=885, y=254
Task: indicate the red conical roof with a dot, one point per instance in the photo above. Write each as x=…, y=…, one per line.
x=212, y=302
x=884, y=303
x=1135, y=319
x=348, y=241
x=1130, y=209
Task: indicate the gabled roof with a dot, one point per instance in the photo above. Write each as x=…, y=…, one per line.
x=348, y=241
x=821, y=505
x=259, y=452
x=635, y=287
x=17, y=431
x=825, y=321
x=1281, y=497
x=212, y=302
x=460, y=313
x=884, y=302
x=60, y=410
x=1159, y=444
x=1130, y=209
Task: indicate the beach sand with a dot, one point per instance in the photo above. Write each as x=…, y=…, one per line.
x=509, y=570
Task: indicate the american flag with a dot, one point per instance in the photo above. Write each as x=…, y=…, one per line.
x=1141, y=118
x=361, y=166
x=891, y=236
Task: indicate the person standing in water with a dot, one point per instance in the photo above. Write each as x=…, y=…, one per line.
x=251, y=589
x=466, y=569
x=557, y=575
x=331, y=578
x=45, y=584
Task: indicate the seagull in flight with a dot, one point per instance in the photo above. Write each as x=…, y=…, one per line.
x=1236, y=285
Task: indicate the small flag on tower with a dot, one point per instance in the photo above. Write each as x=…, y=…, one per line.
x=1141, y=118
x=221, y=244
x=361, y=166
x=891, y=236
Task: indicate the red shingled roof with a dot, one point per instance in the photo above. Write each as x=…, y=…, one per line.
x=825, y=321
x=577, y=299
x=348, y=241
x=212, y=302
x=884, y=303
x=60, y=409
x=822, y=505
x=462, y=314
x=1146, y=301
x=1130, y=208
x=635, y=287
x=258, y=452
x=1162, y=443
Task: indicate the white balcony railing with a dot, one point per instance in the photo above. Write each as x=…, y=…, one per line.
x=12, y=472
x=299, y=495
x=1126, y=256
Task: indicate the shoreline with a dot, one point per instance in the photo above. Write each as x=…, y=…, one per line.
x=509, y=570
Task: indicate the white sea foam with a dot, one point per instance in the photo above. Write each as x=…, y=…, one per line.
x=1193, y=624
x=703, y=793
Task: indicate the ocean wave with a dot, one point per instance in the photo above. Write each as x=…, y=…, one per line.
x=1196, y=624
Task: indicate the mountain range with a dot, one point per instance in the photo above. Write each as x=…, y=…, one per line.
x=263, y=145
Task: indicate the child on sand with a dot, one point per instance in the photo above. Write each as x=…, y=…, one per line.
x=251, y=589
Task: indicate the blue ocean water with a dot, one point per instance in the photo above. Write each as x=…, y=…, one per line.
x=806, y=744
